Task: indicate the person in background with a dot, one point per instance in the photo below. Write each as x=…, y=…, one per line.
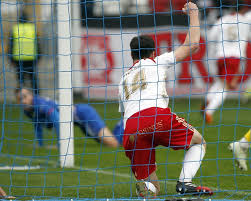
x=24, y=52
x=44, y=112
x=240, y=150
x=229, y=36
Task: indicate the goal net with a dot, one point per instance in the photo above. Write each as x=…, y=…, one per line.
x=69, y=56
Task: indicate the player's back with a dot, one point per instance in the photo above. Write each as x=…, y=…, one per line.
x=144, y=85
x=231, y=34
x=44, y=106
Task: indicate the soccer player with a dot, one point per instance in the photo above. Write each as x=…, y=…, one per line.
x=44, y=113
x=147, y=119
x=240, y=149
x=229, y=36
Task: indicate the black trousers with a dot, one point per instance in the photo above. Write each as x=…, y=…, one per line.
x=26, y=70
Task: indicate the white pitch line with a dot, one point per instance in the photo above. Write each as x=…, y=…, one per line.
x=26, y=158
x=25, y=167
x=124, y=175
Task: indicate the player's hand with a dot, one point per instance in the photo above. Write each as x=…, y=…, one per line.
x=190, y=9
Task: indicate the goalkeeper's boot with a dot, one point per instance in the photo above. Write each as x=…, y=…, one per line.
x=188, y=188
x=240, y=155
x=143, y=191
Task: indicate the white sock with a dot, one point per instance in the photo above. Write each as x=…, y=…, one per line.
x=217, y=99
x=216, y=86
x=192, y=162
x=244, y=143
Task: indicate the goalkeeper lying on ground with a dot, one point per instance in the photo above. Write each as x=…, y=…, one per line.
x=44, y=113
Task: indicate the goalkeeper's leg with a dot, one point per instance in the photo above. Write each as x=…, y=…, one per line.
x=106, y=136
x=87, y=118
x=118, y=131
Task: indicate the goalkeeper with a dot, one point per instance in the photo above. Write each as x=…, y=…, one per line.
x=45, y=113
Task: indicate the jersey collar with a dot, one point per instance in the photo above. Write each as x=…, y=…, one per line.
x=135, y=62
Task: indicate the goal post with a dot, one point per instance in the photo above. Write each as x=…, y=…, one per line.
x=66, y=138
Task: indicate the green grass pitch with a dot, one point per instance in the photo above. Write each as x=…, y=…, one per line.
x=103, y=172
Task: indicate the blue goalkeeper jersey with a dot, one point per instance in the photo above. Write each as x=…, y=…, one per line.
x=44, y=113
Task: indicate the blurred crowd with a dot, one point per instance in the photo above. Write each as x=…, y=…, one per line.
x=41, y=14
x=92, y=8
x=210, y=10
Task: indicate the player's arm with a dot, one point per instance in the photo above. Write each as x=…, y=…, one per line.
x=191, y=43
x=53, y=117
x=38, y=127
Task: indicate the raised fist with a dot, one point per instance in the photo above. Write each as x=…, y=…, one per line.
x=190, y=8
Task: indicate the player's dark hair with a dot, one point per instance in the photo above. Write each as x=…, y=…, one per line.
x=142, y=47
